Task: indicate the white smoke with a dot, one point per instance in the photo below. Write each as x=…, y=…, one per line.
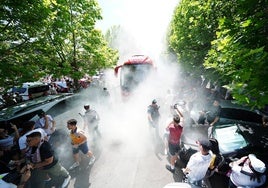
x=144, y=24
x=123, y=124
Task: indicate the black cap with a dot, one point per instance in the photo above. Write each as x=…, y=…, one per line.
x=154, y=101
x=206, y=144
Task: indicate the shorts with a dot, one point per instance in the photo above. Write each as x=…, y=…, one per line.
x=173, y=148
x=83, y=147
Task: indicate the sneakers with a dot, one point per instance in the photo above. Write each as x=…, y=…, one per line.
x=66, y=181
x=92, y=160
x=168, y=167
x=165, y=152
x=76, y=164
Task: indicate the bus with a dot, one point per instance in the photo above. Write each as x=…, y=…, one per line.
x=133, y=72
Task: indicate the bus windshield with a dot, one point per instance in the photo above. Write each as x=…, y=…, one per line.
x=133, y=74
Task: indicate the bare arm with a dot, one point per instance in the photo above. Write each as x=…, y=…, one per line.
x=17, y=134
x=179, y=112
x=46, y=122
x=53, y=123
x=215, y=121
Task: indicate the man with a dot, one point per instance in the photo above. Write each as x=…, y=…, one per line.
x=7, y=141
x=153, y=115
x=105, y=92
x=211, y=117
x=91, y=121
x=248, y=171
x=46, y=122
x=175, y=130
x=264, y=121
x=79, y=142
x=43, y=161
x=28, y=129
x=198, y=163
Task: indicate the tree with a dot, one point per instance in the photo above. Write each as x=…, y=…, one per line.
x=240, y=52
x=20, y=23
x=80, y=48
x=226, y=41
x=61, y=40
x=192, y=29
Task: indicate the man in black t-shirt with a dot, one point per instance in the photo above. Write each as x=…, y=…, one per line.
x=40, y=156
x=210, y=116
x=153, y=116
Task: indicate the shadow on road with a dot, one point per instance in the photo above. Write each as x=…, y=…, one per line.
x=60, y=141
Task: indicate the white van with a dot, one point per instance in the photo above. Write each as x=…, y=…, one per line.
x=31, y=90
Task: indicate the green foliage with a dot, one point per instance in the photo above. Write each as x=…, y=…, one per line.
x=51, y=37
x=192, y=29
x=237, y=53
x=19, y=25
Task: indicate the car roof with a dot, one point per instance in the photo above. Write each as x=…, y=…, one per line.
x=241, y=115
x=28, y=84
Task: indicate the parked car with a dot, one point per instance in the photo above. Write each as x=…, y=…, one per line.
x=239, y=133
x=31, y=90
x=25, y=111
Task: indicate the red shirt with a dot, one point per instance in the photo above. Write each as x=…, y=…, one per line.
x=174, y=133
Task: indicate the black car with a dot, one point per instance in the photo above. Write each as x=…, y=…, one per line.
x=25, y=111
x=239, y=133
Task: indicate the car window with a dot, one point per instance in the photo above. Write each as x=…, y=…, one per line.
x=22, y=90
x=38, y=89
x=18, y=89
x=229, y=138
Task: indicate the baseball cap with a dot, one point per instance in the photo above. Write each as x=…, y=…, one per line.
x=206, y=144
x=256, y=163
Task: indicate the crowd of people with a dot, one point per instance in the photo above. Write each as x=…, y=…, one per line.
x=247, y=172
x=28, y=151
x=28, y=159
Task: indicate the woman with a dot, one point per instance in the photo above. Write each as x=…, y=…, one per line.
x=247, y=172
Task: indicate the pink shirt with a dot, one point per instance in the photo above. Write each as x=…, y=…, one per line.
x=174, y=133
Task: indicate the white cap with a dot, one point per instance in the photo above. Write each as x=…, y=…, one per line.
x=256, y=163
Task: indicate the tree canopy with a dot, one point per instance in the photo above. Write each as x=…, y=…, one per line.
x=51, y=37
x=226, y=41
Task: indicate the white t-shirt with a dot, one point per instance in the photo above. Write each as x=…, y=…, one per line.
x=22, y=140
x=41, y=124
x=198, y=165
x=7, y=142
